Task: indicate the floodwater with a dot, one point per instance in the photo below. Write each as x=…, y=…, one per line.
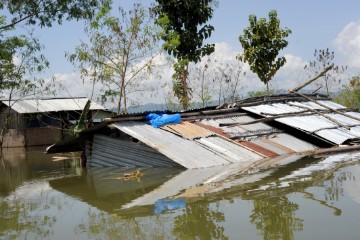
x=51, y=197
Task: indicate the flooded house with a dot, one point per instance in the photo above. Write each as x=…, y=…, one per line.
x=37, y=122
x=245, y=133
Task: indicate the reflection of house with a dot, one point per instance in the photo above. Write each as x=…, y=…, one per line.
x=35, y=122
x=247, y=132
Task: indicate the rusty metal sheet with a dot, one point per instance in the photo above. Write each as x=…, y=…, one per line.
x=188, y=130
x=292, y=143
x=265, y=143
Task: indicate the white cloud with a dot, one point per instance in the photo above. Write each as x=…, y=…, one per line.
x=288, y=77
x=347, y=43
x=291, y=74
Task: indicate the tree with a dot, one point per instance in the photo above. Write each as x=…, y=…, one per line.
x=120, y=54
x=349, y=95
x=184, y=30
x=44, y=12
x=20, y=58
x=262, y=41
x=325, y=58
x=228, y=76
x=19, y=64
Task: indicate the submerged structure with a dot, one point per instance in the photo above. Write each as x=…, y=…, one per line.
x=27, y=119
x=246, y=132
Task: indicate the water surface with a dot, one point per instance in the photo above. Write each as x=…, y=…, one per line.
x=51, y=197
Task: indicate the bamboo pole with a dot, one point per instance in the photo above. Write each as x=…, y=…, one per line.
x=321, y=114
x=322, y=105
x=313, y=79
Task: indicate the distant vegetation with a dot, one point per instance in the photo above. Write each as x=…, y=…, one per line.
x=121, y=53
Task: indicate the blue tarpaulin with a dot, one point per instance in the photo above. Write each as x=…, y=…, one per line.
x=163, y=205
x=158, y=120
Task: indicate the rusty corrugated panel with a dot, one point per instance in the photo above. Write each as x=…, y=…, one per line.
x=188, y=130
x=270, y=139
x=259, y=149
x=265, y=143
x=257, y=143
x=183, y=151
x=216, y=130
x=292, y=143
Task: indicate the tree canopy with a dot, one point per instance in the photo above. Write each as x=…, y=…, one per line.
x=119, y=52
x=45, y=12
x=184, y=30
x=262, y=41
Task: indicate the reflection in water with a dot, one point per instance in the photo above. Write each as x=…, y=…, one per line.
x=45, y=199
x=275, y=216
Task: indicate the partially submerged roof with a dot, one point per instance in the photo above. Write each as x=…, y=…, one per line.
x=50, y=105
x=242, y=134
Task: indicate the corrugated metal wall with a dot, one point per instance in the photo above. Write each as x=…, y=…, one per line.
x=109, y=151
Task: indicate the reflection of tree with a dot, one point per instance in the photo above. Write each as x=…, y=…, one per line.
x=274, y=215
x=17, y=221
x=199, y=222
x=112, y=226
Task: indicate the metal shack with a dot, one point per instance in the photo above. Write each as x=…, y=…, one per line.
x=244, y=133
x=35, y=122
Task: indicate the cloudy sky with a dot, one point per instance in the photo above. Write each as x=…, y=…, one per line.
x=333, y=24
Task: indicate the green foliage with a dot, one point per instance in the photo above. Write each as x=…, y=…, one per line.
x=349, y=95
x=184, y=30
x=180, y=87
x=82, y=121
x=120, y=53
x=44, y=12
x=260, y=93
x=184, y=27
x=262, y=41
x=19, y=62
x=325, y=58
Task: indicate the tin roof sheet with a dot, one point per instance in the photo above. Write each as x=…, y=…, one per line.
x=292, y=143
x=109, y=151
x=291, y=107
x=188, y=130
x=326, y=127
x=183, y=151
x=338, y=136
x=51, y=105
x=277, y=142
x=234, y=152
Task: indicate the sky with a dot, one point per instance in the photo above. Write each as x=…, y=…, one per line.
x=320, y=24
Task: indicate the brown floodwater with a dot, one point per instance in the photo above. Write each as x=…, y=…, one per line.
x=52, y=197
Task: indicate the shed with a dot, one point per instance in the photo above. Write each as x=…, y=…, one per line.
x=36, y=122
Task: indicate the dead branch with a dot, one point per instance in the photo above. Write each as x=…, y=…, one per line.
x=323, y=105
x=313, y=79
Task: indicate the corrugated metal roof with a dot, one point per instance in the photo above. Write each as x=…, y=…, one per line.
x=292, y=143
x=187, y=130
x=255, y=133
x=51, y=105
x=308, y=123
x=234, y=152
x=185, y=152
x=330, y=127
x=265, y=143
